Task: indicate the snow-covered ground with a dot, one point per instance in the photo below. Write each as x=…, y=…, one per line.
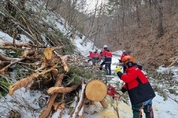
x=27, y=102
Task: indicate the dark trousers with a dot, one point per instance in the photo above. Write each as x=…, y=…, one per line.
x=108, y=68
x=147, y=108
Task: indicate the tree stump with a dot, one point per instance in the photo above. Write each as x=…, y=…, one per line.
x=96, y=91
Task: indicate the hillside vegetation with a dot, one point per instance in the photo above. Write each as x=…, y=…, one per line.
x=147, y=29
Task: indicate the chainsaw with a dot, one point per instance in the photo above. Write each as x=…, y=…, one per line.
x=111, y=91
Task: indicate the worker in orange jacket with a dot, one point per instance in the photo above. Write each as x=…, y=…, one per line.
x=107, y=61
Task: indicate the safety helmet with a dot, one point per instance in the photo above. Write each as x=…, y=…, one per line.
x=105, y=46
x=127, y=59
x=96, y=50
x=124, y=52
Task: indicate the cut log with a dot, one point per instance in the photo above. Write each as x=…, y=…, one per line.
x=4, y=58
x=48, y=53
x=47, y=110
x=61, y=89
x=6, y=67
x=81, y=101
x=66, y=68
x=95, y=90
x=17, y=45
x=27, y=81
x=27, y=52
x=104, y=103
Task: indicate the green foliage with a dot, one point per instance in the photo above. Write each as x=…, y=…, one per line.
x=165, y=79
x=75, y=75
x=4, y=86
x=68, y=48
x=13, y=54
x=14, y=114
x=172, y=91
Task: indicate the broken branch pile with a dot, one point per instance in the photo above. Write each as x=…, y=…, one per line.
x=53, y=67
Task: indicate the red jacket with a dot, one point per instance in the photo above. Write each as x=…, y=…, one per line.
x=122, y=56
x=90, y=55
x=103, y=53
x=96, y=56
x=137, y=85
x=131, y=75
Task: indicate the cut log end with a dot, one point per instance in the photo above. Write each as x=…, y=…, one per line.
x=95, y=90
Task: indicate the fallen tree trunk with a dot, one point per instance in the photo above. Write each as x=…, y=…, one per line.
x=27, y=81
x=4, y=58
x=16, y=45
x=61, y=89
x=6, y=67
x=46, y=111
x=96, y=90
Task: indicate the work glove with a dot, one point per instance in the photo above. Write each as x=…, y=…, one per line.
x=118, y=69
x=119, y=94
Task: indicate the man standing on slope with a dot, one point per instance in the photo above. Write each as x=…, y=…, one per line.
x=107, y=54
x=103, y=52
x=138, y=87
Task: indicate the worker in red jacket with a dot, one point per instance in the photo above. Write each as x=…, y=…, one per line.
x=90, y=56
x=124, y=53
x=139, y=89
x=103, y=52
x=95, y=57
x=107, y=62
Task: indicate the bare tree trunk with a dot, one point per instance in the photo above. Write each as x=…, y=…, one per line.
x=137, y=12
x=159, y=8
x=98, y=27
x=160, y=25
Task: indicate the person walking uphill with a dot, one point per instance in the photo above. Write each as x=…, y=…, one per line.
x=139, y=89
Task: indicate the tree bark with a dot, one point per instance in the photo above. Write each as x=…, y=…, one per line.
x=159, y=8
x=46, y=111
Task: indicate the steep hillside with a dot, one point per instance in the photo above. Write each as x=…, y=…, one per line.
x=153, y=51
x=143, y=40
